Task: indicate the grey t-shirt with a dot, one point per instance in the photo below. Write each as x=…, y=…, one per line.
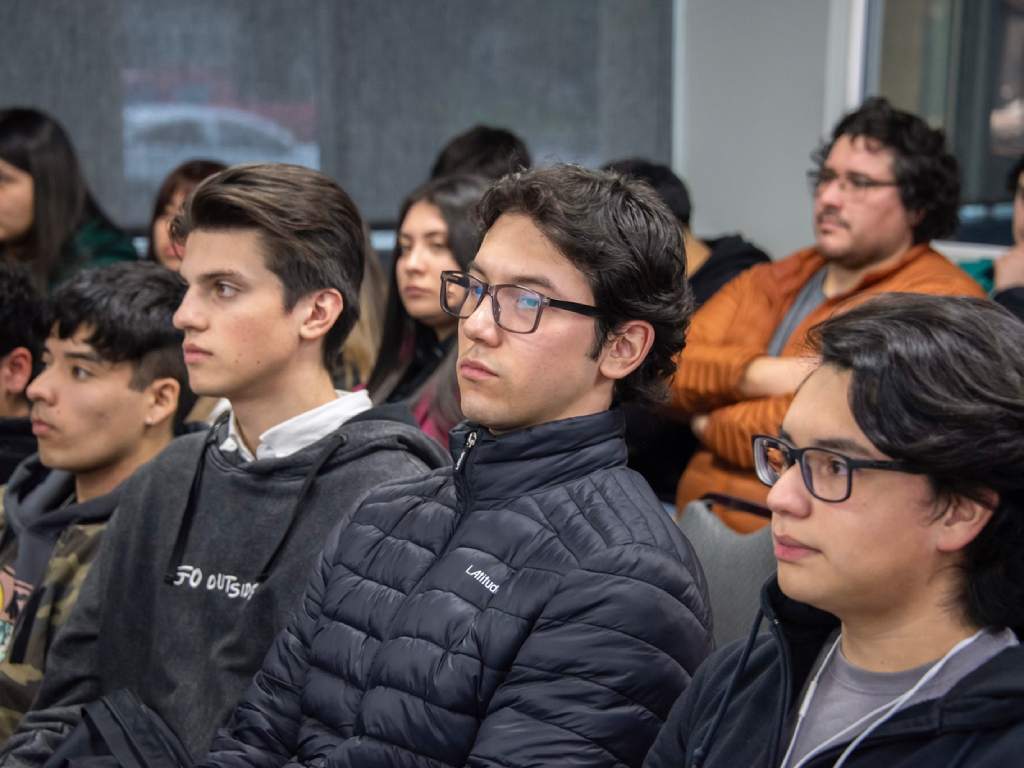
x=811, y=296
x=846, y=695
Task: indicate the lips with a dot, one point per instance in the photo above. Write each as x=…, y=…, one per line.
x=788, y=549
x=42, y=428
x=194, y=353
x=473, y=370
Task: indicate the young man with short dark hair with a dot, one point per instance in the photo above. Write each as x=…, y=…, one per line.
x=897, y=499
x=534, y=605
x=22, y=330
x=112, y=390
x=207, y=555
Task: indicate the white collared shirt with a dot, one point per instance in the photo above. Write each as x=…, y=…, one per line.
x=296, y=433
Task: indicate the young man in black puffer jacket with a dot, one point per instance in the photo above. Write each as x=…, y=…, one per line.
x=532, y=605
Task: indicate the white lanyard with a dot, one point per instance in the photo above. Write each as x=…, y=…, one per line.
x=887, y=710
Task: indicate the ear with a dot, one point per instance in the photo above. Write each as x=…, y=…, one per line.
x=162, y=402
x=321, y=309
x=625, y=349
x=915, y=217
x=15, y=371
x=963, y=521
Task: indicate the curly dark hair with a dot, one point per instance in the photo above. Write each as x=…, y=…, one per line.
x=627, y=244
x=928, y=175
x=24, y=321
x=938, y=382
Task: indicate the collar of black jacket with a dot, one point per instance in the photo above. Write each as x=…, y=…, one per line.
x=520, y=462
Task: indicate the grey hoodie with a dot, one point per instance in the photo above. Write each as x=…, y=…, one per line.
x=182, y=611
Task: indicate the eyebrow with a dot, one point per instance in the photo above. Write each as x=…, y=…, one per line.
x=523, y=279
x=88, y=355
x=840, y=444
x=221, y=274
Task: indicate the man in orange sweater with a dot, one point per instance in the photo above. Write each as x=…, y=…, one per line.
x=884, y=186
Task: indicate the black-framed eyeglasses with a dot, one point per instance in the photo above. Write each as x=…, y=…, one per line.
x=827, y=474
x=857, y=184
x=516, y=309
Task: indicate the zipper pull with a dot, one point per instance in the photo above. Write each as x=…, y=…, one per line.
x=470, y=442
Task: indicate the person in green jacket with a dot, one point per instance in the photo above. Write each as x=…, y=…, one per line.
x=49, y=219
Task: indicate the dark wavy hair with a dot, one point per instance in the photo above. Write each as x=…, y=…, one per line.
x=484, y=151
x=37, y=144
x=627, y=244
x=129, y=307
x=183, y=178
x=311, y=229
x=670, y=188
x=928, y=174
x=939, y=382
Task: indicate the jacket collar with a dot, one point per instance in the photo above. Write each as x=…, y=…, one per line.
x=498, y=467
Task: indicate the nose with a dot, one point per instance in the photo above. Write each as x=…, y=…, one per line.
x=187, y=316
x=480, y=325
x=413, y=259
x=40, y=389
x=789, y=495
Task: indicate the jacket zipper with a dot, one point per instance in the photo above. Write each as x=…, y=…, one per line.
x=470, y=442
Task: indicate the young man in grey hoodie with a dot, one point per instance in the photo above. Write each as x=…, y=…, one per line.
x=212, y=543
x=112, y=390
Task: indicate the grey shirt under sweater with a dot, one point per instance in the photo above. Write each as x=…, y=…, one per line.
x=190, y=647
x=846, y=694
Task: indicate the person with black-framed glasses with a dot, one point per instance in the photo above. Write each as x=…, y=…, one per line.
x=897, y=501
x=533, y=605
x=883, y=186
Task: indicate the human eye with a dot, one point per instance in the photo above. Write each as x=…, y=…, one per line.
x=79, y=373
x=528, y=300
x=224, y=290
x=834, y=465
x=860, y=182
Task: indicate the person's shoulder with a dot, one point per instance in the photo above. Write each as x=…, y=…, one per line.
x=928, y=271
x=391, y=428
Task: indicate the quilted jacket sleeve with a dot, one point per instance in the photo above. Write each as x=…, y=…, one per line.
x=263, y=730
x=593, y=683
x=730, y=429
x=716, y=353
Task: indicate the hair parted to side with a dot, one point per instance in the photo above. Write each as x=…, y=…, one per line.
x=938, y=382
x=928, y=174
x=670, y=188
x=482, y=150
x=629, y=247
x=128, y=308
x=37, y=144
x=311, y=230
x=23, y=313
x=183, y=178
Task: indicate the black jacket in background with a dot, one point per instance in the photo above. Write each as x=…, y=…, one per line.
x=979, y=723
x=1013, y=300
x=533, y=606
x=17, y=443
x=660, y=447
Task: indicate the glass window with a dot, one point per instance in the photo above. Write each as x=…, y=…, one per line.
x=960, y=64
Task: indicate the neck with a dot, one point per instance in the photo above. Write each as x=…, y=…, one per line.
x=875, y=647
x=841, y=279
x=697, y=252
x=299, y=392
x=99, y=482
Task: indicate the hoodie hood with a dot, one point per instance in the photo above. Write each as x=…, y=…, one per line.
x=38, y=506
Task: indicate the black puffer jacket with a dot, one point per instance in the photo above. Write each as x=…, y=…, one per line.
x=538, y=608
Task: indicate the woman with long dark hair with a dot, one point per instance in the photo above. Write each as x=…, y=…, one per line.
x=416, y=362
x=49, y=219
